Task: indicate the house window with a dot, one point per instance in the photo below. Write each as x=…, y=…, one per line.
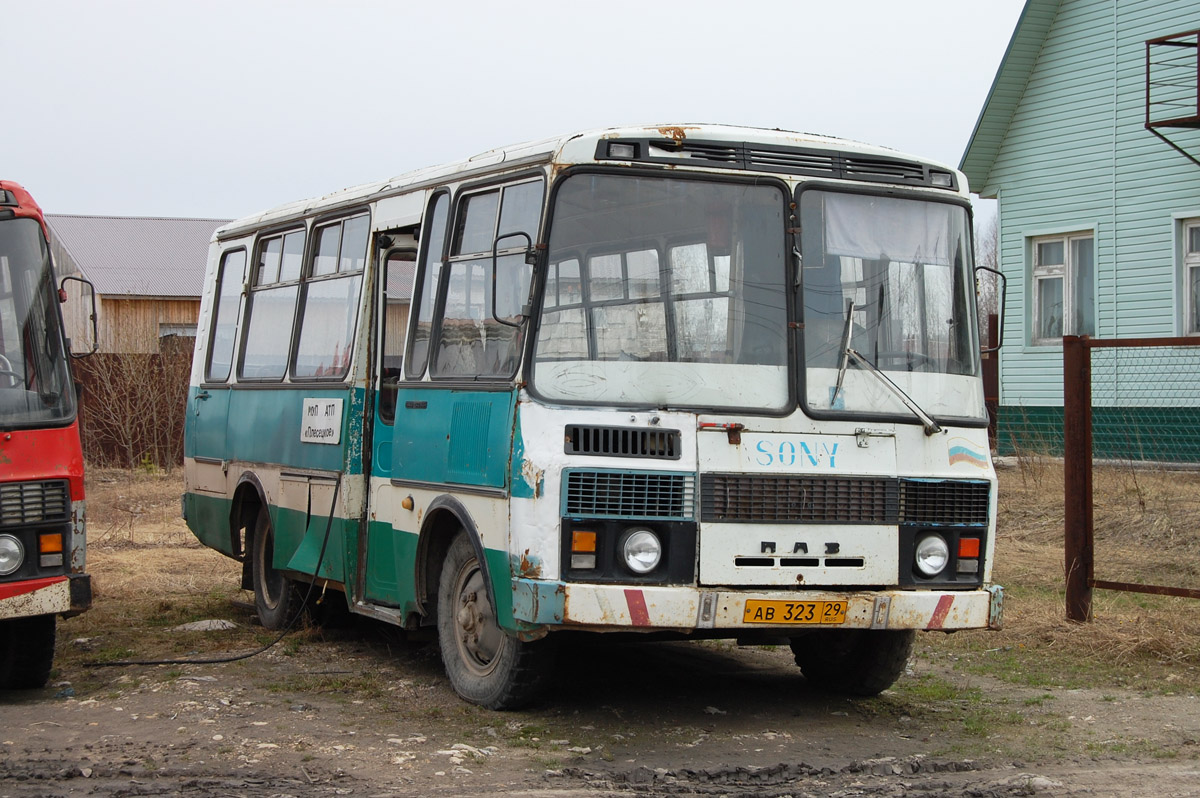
x=1191, y=273
x=1064, y=287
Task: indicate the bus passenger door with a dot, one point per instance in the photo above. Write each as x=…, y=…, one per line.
x=386, y=548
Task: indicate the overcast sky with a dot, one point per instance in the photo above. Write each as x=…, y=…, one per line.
x=219, y=108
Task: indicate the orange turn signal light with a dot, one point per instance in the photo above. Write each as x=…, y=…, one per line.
x=968, y=547
x=583, y=541
x=50, y=543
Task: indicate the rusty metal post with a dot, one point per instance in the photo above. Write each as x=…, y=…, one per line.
x=1077, y=475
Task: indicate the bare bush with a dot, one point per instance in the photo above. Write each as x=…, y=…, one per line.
x=133, y=406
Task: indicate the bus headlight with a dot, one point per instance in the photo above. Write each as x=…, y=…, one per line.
x=932, y=555
x=12, y=554
x=641, y=550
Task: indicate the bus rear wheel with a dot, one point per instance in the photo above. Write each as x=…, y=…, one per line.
x=486, y=665
x=26, y=652
x=276, y=597
x=862, y=662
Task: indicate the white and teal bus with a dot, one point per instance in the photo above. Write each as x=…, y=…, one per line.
x=684, y=381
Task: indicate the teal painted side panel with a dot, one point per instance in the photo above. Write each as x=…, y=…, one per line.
x=205, y=422
x=502, y=588
x=391, y=566
x=263, y=426
x=539, y=602
x=304, y=557
x=453, y=436
x=391, y=569
x=208, y=519
x=522, y=488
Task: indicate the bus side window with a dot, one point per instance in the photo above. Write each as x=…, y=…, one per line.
x=226, y=304
x=329, y=305
x=397, y=279
x=432, y=245
x=271, y=306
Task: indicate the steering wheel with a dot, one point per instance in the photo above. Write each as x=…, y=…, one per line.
x=7, y=373
x=915, y=361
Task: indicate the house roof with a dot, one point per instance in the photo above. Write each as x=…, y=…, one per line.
x=1007, y=90
x=133, y=255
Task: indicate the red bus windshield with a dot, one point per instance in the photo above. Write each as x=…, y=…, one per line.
x=35, y=388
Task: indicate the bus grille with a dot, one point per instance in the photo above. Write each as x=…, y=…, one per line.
x=34, y=502
x=747, y=498
x=663, y=444
x=600, y=494
x=944, y=501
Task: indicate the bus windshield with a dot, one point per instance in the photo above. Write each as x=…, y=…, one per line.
x=34, y=384
x=890, y=279
x=664, y=292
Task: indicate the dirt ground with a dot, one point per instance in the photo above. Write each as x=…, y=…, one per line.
x=365, y=711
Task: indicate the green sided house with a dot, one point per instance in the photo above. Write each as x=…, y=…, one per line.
x=1090, y=141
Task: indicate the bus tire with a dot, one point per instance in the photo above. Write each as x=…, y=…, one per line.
x=486, y=665
x=276, y=597
x=26, y=652
x=862, y=662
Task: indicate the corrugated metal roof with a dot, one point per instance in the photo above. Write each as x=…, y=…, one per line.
x=1007, y=90
x=134, y=255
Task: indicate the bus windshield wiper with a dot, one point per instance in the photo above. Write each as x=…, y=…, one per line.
x=837, y=389
x=931, y=426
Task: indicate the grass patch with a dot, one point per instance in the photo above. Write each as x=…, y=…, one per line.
x=1134, y=641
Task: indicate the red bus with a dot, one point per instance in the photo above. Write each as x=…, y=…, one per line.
x=42, y=535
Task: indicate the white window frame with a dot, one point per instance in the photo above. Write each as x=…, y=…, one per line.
x=1066, y=272
x=1190, y=262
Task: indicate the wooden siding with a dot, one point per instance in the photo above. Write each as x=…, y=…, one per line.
x=1077, y=157
x=132, y=325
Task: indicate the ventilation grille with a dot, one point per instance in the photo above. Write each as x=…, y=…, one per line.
x=34, y=502
x=660, y=444
x=763, y=499
x=788, y=160
x=630, y=495
x=944, y=502
x=745, y=498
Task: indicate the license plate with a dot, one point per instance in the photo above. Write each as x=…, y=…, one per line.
x=794, y=612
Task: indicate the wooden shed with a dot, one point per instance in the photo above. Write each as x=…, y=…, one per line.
x=148, y=274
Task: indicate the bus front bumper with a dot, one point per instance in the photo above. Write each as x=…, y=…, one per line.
x=655, y=608
x=54, y=595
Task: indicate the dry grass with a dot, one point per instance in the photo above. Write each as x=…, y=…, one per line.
x=1146, y=531
x=129, y=509
x=147, y=571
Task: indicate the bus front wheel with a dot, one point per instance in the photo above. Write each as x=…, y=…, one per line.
x=276, y=597
x=861, y=662
x=486, y=665
x=26, y=652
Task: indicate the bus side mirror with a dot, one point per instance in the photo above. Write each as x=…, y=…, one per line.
x=530, y=261
x=990, y=291
x=86, y=289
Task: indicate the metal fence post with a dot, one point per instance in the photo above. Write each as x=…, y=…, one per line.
x=1077, y=475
